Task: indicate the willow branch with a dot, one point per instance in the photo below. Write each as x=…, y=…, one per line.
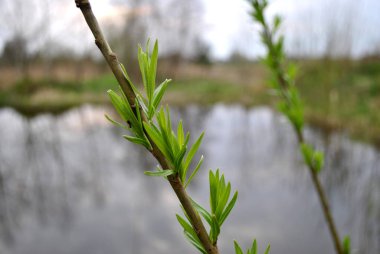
x=280, y=76
x=174, y=180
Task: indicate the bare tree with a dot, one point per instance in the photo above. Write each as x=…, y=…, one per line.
x=26, y=23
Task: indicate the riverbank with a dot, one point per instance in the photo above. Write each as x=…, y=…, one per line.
x=342, y=96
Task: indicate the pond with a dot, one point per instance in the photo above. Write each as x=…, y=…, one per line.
x=71, y=184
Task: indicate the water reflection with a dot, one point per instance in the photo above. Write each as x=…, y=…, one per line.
x=71, y=184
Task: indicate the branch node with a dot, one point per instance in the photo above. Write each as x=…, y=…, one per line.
x=112, y=56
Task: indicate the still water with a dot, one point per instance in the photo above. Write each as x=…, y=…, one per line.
x=70, y=184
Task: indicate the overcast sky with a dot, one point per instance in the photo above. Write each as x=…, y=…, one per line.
x=229, y=28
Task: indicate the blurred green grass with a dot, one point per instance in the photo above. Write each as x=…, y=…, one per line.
x=338, y=95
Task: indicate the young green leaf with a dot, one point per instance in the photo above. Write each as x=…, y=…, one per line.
x=254, y=247
x=138, y=141
x=267, y=249
x=190, y=233
x=195, y=243
x=192, y=151
x=215, y=229
x=194, y=172
x=238, y=249
x=115, y=122
x=276, y=23
x=206, y=215
x=213, y=190
x=163, y=173
x=118, y=104
x=157, y=139
x=307, y=152
x=180, y=134
x=228, y=209
x=346, y=245
x=157, y=96
x=224, y=194
x=318, y=161
x=153, y=67
x=178, y=160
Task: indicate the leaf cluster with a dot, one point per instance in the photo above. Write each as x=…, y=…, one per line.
x=174, y=146
x=314, y=159
x=253, y=249
x=157, y=126
x=151, y=126
x=220, y=204
x=283, y=82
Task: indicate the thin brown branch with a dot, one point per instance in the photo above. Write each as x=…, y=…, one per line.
x=174, y=181
x=300, y=138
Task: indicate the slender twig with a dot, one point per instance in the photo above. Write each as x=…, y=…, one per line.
x=174, y=180
x=277, y=66
x=313, y=172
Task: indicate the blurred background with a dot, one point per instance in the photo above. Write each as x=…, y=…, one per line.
x=70, y=184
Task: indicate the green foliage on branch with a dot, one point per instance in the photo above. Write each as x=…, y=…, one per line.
x=157, y=131
x=290, y=104
x=283, y=81
x=252, y=250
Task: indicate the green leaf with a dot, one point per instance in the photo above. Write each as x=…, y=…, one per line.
x=228, y=208
x=165, y=135
x=196, y=243
x=267, y=249
x=126, y=76
x=206, y=215
x=187, y=227
x=314, y=159
x=118, y=105
x=157, y=96
x=213, y=191
x=190, y=234
x=157, y=139
x=292, y=71
x=163, y=173
x=153, y=67
x=346, y=245
x=142, y=59
x=193, y=151
x=180, y=134
x=172, y=142
x=318, y=159
x=254, y=247
x=238, y=249
x=116, y=123
x=138, y=141
x=194, y=172
x=224, y=195
x=276, y=23
x=178, y=162
x=307, y=152
x=215, y=229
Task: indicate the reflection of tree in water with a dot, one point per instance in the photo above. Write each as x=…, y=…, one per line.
x=55, y=169
x=95, y=157
x=38, y=180
x=6, y=232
